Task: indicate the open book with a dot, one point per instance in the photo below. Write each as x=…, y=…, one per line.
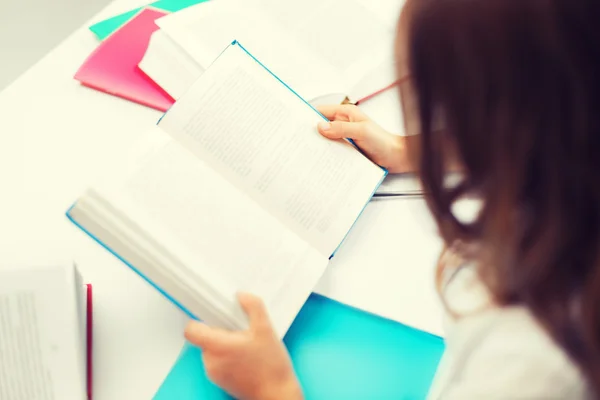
x=236, y=191
x=45, y=333
x=327, y=50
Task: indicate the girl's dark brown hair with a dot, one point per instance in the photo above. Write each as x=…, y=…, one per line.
x=517, y=84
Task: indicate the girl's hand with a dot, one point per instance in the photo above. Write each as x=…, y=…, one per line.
x=383, y=148
x=249, y=365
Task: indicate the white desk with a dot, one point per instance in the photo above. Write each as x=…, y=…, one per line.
x=56, y=137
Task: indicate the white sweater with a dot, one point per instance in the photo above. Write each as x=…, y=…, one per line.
x=500, y=353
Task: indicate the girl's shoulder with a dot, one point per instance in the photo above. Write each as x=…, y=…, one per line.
x=501, y=353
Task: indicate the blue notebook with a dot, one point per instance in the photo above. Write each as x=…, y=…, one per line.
x=236, y=190
x=339, y=353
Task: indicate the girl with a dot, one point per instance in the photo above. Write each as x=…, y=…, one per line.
x=508, y=91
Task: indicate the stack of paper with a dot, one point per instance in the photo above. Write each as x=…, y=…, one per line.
x=328, y=51
x=320, y=48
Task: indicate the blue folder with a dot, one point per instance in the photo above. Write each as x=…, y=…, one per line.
x=339, y=353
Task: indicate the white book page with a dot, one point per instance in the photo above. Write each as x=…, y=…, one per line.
x=40, y=343
x=168, y=65
x=346, y=34
x=262, y=138
x=224, y=238
x=317, y=47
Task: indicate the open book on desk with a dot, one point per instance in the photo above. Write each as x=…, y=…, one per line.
x=327, y=50
x=237, y=191
x=45, y=333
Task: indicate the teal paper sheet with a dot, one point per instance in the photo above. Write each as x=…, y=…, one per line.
x=339, y=353
x=105, y=28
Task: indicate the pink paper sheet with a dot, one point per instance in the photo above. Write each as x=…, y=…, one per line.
x=113, y=66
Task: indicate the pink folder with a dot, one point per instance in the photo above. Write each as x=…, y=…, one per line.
x=113, y=66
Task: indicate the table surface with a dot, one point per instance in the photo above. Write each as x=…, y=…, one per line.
x=56, y=138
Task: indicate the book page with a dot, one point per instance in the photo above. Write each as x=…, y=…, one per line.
x=168, y=65
x=82, y=323
x=346, y=34
x=262, y=138
x=40, y=343
x=318, y=47
x=225, y=240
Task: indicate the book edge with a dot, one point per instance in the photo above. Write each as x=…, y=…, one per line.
x=127, y=263
x=89, y=341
